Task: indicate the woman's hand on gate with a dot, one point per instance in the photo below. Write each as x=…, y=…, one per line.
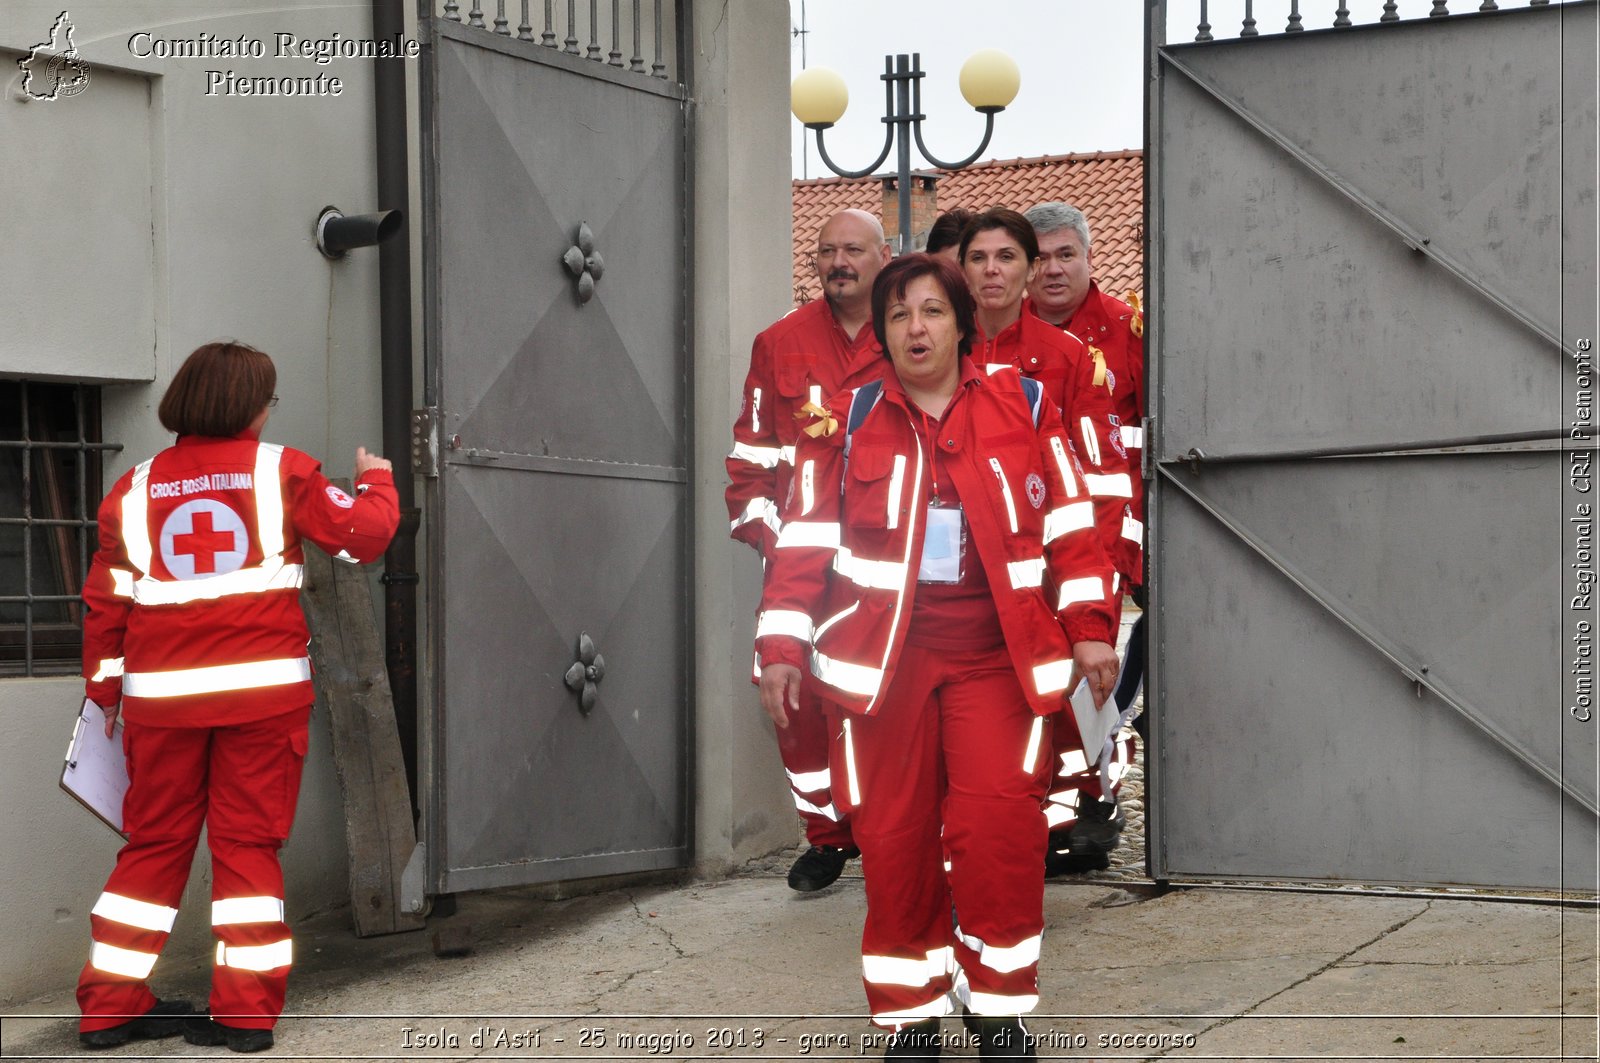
x=780, y=688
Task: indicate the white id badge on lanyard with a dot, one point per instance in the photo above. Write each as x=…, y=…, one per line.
x=943, y=546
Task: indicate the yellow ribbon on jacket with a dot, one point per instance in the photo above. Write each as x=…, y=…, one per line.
x=825, y=426
x=1136, y=322
x=1099, y=357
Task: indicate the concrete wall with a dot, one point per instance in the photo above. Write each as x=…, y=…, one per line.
x=156, y=218
x=742, y=278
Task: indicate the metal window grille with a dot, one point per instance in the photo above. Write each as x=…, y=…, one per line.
x=50, y=488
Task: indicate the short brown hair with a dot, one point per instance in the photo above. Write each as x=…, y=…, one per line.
x=1015, y=225
x=946, y=230
x=897, y=277
x=218, y=390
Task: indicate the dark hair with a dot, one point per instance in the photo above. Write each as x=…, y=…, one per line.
x=897, y=276
x=946, y=229
x=1005, y=218
x=218, y=390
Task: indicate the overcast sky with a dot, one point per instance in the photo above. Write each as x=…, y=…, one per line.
x=1081, y=61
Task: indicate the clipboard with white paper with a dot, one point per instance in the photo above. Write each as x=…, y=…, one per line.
x=95, y=773
x=1094, y=725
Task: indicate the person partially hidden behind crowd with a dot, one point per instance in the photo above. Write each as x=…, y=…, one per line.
x=999, y=254
x=801, y=359
x=1064, y=293
x=944, y=235
x=939, y=575
x=195, y=637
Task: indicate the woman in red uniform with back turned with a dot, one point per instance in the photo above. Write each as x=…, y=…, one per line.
x=194, y=633
x=939, y=575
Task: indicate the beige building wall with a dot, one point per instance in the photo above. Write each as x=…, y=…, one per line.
x=144, y=217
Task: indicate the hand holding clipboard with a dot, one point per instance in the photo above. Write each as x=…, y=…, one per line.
x=95, y=773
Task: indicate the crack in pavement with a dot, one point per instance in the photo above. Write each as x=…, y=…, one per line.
x=657, y=926
x=1330, y=965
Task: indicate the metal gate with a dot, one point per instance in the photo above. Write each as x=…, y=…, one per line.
x=1372, y=255
x=557, y=265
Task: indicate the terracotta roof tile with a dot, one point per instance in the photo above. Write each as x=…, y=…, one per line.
x=1108, y=186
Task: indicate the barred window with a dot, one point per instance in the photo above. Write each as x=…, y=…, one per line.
x=50, y=488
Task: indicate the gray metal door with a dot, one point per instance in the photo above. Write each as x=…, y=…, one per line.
x=558, y=266
x=1372, y=260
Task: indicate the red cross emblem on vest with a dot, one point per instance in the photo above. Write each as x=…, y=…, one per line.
x=202, y=538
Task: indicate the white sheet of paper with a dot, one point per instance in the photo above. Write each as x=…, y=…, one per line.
x=95, y=772
x=1095, y=725
x=941, y=547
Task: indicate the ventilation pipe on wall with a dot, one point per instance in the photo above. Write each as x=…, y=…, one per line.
x=394, y=313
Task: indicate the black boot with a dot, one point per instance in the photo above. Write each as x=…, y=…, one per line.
x=918, y=1041
x=166, y=1019
x=1004, y=1037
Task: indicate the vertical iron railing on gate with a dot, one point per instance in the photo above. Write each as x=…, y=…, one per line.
x=1339, y=13
x=588, y=27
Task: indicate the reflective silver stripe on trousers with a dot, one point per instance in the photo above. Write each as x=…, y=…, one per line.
x=129, y=912
x=257, y=958
x=126, y=962
x=918, y=971
x=1003, y=960
x=232, y=911
x=850, y=767
x=998, y=1003
x=182, y=682
x=1031, y=757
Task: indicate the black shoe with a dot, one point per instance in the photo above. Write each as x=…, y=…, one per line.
x=920, y=1040
x=1098, y=827
x=166, y=1019
x=819, y=867
x=1071, y=863
x=1004, y=1037
x=205, y=1031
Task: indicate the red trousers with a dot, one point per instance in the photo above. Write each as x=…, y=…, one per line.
x=803, y=747
x=242, y=784
x=953, y=761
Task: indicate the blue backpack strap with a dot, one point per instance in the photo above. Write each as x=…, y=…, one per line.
x=1033, y=392
x=861, y=403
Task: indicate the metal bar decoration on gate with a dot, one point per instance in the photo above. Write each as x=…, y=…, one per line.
x=584, y=35
x=1341, y=15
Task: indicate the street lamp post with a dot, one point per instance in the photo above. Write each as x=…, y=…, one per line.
x=818, y=98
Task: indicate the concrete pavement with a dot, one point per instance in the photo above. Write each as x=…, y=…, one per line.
x=744, y=968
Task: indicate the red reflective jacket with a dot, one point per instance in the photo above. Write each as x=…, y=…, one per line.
x=804, y=357
x=1116, y=330
x=1082, y=389
x=193, y=597
x=840, y=586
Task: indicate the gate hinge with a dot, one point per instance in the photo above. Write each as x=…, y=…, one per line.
x=425, y=442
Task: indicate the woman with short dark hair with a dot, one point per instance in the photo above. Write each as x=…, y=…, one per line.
x=939, y=576
x=195, y=637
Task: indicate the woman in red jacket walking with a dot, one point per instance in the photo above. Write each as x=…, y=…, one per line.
x=194, y=634
x=939, y=575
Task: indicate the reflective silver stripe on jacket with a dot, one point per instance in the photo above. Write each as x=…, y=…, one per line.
x=217, y=679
